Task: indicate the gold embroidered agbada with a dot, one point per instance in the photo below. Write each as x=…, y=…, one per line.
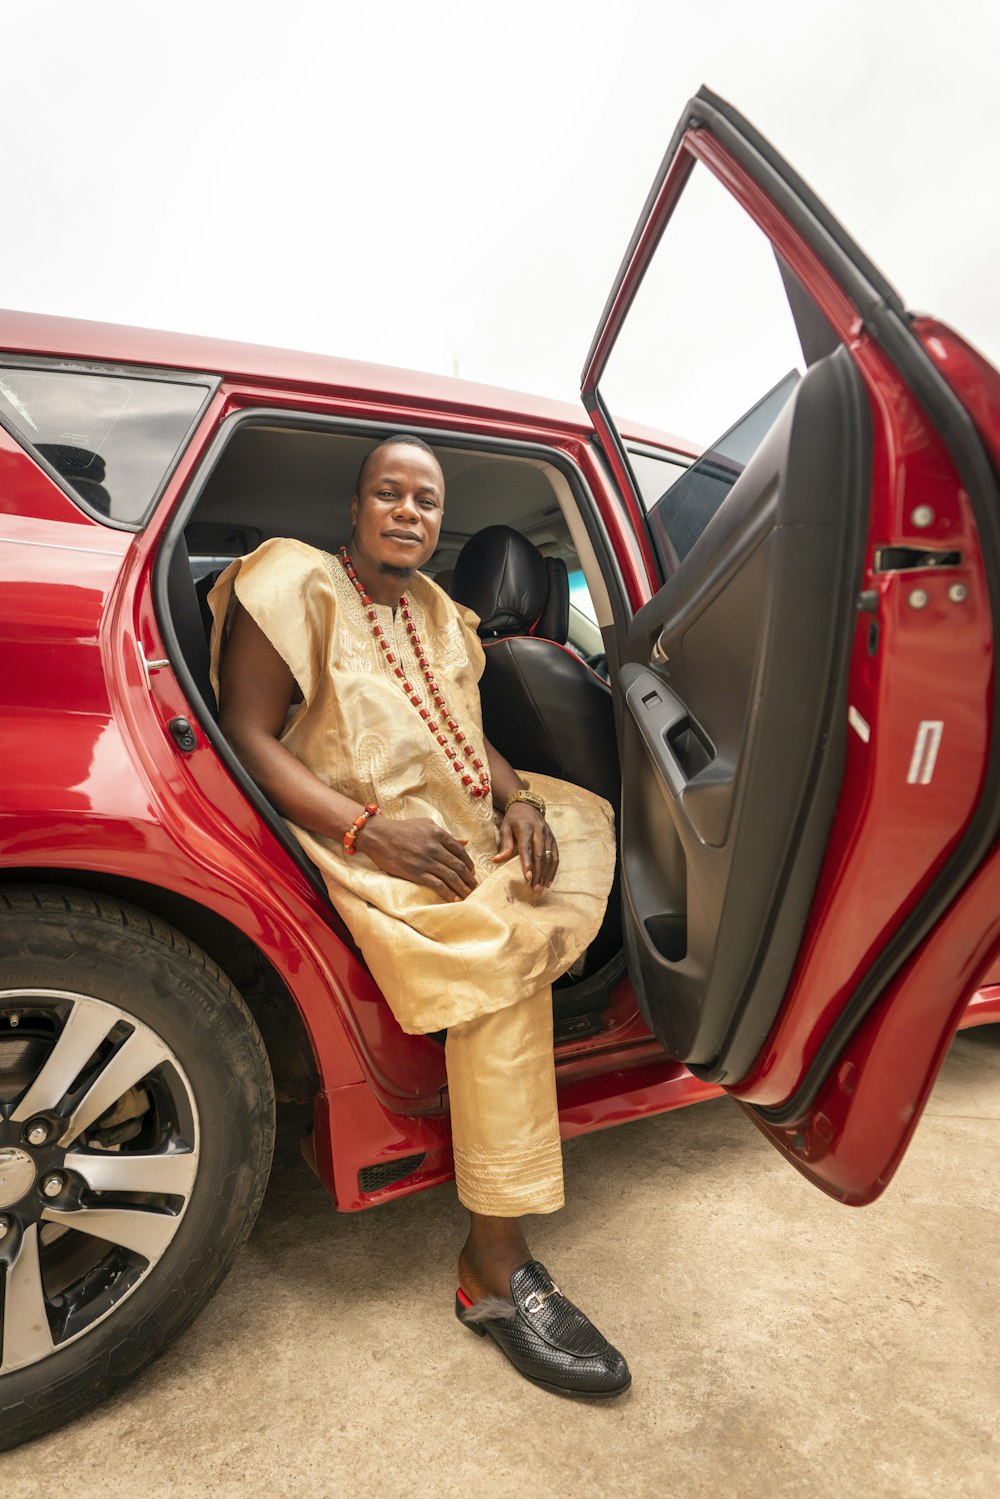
x=439, y=963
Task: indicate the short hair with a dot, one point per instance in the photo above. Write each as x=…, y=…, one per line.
x=397, y=440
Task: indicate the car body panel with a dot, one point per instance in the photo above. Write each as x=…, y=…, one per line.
x=852, y=1137
x=984, y=1006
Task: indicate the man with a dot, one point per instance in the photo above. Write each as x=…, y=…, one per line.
x=348, y=686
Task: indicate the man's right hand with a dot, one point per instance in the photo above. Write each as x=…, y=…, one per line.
x=417, y=849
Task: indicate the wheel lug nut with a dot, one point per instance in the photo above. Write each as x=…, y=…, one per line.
x=52, y=1185
x=37, y=1133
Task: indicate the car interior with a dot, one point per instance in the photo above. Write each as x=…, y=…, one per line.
x=512, y=547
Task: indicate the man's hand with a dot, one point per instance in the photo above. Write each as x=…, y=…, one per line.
x=417, y=849
x=524, y=831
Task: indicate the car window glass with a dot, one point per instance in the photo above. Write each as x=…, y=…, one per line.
x=709, y=346
x=678, y=518
x=112, y=438
x=208, y=567
x=579, y=596
x=654, y=472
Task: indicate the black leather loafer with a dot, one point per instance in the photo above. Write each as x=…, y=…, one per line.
x=547, y=1338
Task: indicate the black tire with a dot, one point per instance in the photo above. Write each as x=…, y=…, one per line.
x=68, y=949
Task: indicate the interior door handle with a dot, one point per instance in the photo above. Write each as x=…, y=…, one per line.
x=658, y=712
x=690, y=768
x=658, y=654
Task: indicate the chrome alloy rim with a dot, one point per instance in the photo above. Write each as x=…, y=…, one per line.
x=99, y=1146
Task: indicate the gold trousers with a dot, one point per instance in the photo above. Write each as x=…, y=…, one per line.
x=504, y=1117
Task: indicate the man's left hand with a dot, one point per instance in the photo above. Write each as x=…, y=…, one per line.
x=525, y=832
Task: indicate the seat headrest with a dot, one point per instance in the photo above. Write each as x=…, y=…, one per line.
x=503, y=578
x=554, y=623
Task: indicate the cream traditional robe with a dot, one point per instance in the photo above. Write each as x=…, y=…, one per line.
x=439, y=963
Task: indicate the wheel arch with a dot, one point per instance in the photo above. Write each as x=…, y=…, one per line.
x=295, y=1066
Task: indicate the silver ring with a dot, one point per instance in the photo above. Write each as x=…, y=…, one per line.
x=548, y=853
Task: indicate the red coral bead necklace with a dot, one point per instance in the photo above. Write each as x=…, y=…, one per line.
x=460, y=754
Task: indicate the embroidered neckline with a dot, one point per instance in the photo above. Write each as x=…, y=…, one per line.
x=460, y=754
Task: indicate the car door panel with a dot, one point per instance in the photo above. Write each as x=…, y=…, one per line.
x=811, y=779
x=733, y=730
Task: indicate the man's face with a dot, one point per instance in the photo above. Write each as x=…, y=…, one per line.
x=397, y=513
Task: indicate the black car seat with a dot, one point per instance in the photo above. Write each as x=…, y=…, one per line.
x=544, y=708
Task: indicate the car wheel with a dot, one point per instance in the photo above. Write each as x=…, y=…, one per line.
x=136, y=1129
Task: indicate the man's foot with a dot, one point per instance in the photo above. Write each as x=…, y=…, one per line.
x=546, y=1337
x=492, y=1252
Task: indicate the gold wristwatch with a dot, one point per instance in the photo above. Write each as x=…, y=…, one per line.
x=531, y=797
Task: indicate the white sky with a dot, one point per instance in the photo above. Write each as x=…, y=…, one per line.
x=451, y=186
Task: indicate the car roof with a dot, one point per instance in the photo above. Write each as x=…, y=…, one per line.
x=44, y=336
x=79, y=339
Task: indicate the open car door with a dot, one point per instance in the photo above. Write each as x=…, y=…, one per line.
x=808, y=687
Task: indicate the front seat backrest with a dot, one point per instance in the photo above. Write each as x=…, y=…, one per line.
x=503, y=578
x=543, y=707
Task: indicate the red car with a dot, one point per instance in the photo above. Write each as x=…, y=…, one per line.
x=775, y=655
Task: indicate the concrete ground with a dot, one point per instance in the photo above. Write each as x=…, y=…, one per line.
x=780, y=1344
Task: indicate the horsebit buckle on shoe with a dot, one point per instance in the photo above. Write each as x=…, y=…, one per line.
x=535, y=1301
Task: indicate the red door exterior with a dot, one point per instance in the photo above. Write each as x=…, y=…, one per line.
x=905, y=920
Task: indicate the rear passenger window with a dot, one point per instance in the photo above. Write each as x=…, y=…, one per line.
x=113, y=439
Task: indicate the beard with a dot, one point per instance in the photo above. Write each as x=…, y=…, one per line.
x=392, y=571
